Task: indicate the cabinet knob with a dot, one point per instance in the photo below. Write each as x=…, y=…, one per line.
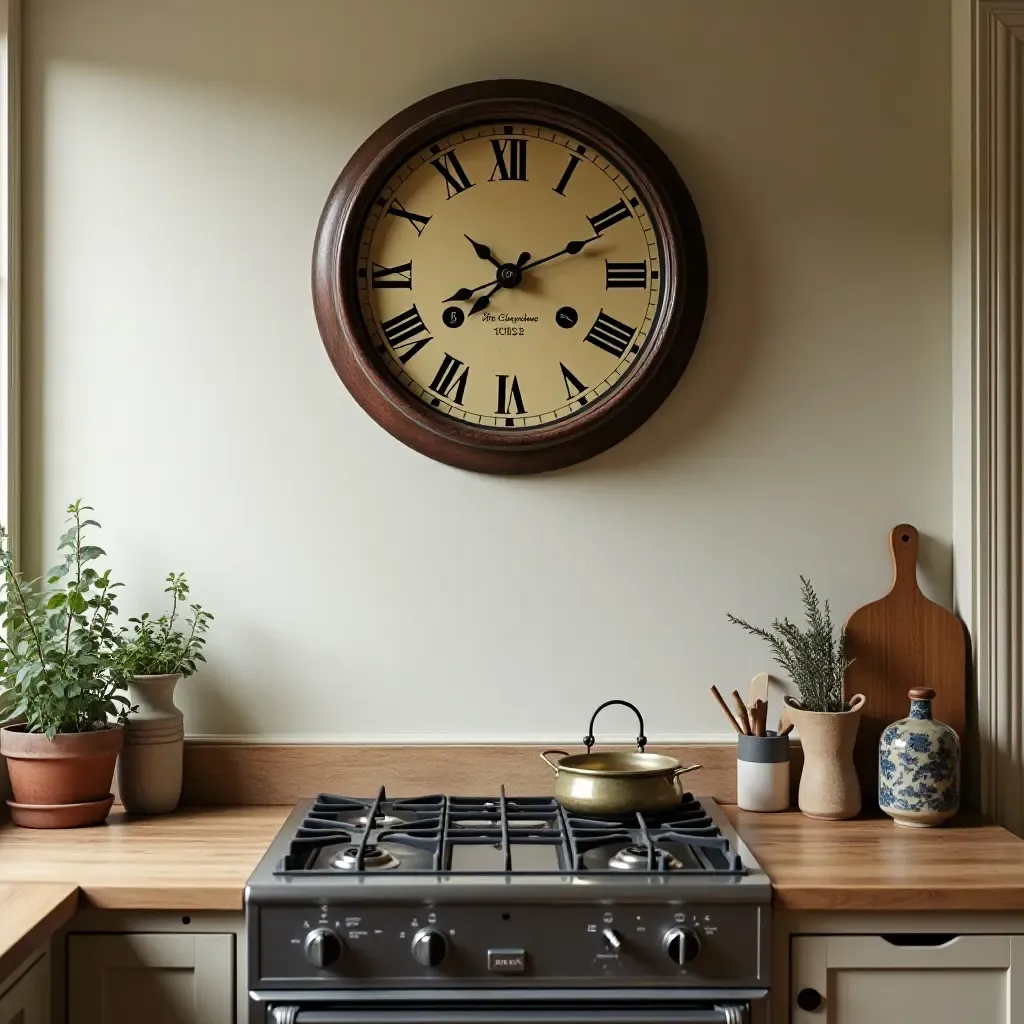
x=809, y=999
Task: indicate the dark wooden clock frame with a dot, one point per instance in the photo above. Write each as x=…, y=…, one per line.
x=606, y=421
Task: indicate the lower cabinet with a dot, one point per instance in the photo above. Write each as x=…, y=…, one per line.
x=27, y=1001
x=907, y=979
x=150, y=979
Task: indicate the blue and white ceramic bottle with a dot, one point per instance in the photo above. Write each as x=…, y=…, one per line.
x=919, y=767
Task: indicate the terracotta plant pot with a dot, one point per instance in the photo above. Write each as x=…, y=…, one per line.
x=828, y=785
x=72, y=768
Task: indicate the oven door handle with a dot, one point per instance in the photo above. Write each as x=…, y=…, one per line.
x=733, y=1013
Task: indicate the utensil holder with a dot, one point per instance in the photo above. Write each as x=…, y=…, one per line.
x=762, y=772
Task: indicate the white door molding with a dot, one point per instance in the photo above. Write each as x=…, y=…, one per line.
x=990, y=584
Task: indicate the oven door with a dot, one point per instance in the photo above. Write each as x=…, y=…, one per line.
x=695, y=1007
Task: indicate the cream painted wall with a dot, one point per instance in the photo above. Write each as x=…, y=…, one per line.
x=177, y=155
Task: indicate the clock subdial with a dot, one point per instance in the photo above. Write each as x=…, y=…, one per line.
x=535, y=340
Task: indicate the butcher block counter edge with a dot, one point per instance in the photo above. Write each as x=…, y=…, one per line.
x=29, y=915
x=195, y=859
x=873, y=864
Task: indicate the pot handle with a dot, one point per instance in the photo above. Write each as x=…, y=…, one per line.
x=857, y=701
x=641, y=740
x=682, y=771
x=550, y=763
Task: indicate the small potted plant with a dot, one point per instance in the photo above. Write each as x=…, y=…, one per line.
x=815, y=660
x=154, y=655
x=57, y=664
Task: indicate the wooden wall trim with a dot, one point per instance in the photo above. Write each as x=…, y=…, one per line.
x=226, y=774
x=997, y=243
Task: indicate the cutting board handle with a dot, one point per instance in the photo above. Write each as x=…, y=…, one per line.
x=903, y=543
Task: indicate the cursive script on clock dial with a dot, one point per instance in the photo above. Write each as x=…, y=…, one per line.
x=509, y=275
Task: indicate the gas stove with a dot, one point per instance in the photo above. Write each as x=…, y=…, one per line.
x=370, y=905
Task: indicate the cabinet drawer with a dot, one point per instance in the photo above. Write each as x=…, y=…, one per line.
x=853, y=979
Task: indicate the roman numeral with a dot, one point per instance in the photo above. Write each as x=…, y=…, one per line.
x=509, y=393
x=574, y=387
x=448, y=379
x=402, y=330
x=392, y=277
x=515, y=167
x=417, y=220
x=610, y=334
x=455, y=178
x=625, y=275
x=606, y=218
x=566, y=175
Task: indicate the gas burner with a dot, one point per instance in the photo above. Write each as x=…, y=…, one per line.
x=634, y=858
x=379, y=821
x=375, y=858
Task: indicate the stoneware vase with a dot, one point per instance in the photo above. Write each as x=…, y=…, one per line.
x=919, y=767
x=149, y=768
x=63, y=782
x=828, y=783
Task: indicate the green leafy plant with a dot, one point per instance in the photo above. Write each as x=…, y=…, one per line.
x=156, y=647
x=815, y=658
x=57, y=642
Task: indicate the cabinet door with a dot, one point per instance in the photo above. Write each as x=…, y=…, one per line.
x=851, y=979
x=27, y=1000
x=156, y=979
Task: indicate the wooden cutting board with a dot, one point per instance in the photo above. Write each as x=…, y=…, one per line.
x=900, y=641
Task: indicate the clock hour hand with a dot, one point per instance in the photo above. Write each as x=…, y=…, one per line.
x=483, y=252
x=484, y=301
x=467, y=293
x=570, y=250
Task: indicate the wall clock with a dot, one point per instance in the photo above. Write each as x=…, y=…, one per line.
x=509, y=276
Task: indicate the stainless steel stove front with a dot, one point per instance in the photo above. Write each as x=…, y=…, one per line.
x=611, y=947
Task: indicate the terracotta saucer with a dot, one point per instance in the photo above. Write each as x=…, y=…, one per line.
x=93, y=812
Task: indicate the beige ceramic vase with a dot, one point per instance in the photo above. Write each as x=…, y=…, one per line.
x=828, y=783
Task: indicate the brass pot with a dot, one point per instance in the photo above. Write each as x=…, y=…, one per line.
x=616, y=782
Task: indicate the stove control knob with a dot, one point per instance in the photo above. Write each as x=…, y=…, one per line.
x=323, y=948
x=429, y=947
x=681, y=945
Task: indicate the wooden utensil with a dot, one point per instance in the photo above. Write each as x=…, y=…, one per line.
x=786, y=730
x=725, y=707
x=758, y=689
x=741, y=712
x=901, y=641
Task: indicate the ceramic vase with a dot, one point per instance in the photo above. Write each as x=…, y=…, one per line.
x=919, y=767
x=149, y=768
x=828, y=784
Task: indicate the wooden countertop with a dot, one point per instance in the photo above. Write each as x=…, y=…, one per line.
x=199, y=859
x=873, y=864
x=29, y=915
x=194, y=859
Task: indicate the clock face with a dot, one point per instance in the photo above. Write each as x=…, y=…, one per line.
x=509, y=275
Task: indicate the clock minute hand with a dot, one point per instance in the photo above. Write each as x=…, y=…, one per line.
x=570, y=250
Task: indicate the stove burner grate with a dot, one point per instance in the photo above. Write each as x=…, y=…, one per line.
x=421, y=836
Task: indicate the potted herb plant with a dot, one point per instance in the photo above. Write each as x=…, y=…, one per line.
x=154, y=655
x=816, y=661
x=57, y=666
